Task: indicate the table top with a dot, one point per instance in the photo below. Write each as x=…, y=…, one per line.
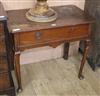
x=68, y=15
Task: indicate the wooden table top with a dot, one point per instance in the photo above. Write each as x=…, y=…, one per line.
x=68, y=15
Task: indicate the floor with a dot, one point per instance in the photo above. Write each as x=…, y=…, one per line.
x=58, y=77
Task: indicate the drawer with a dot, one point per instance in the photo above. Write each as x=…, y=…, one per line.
x=3, y=64
x=80, y=31
x=29, y=38
x=4, y=81
x=2, y=44
x=1, y=29
x=24, y=39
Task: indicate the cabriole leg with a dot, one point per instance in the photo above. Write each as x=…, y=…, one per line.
x=87, y=45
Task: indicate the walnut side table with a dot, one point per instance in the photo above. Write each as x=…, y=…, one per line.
x=72, y=24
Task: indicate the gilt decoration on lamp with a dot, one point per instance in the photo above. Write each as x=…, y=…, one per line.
x=41, y=12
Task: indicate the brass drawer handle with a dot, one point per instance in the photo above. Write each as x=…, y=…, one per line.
x=38, y=35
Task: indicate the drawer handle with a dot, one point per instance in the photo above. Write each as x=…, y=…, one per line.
x=38, y=35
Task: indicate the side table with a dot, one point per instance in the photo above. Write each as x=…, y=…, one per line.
x=71, y=25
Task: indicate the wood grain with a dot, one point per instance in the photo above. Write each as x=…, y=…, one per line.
x=4, y=81
x=68, y=15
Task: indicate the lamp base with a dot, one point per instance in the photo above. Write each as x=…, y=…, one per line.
x=41, y=13
x=51, y=15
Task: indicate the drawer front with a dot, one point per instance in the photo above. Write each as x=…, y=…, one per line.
x=4, y=81
x=2, y=44
x=1, y=29
x=80, y=31
x=56, y=34
x=3, y=64
x=42, y=36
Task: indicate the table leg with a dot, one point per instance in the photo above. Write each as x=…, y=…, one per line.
x=17, y=70
x=66, y=50
x=87, y=45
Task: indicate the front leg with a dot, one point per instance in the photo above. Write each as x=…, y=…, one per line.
x=87, y=45
x=17, y=70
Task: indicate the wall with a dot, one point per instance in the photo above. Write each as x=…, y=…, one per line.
x=44, y=53
x=20, y=4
